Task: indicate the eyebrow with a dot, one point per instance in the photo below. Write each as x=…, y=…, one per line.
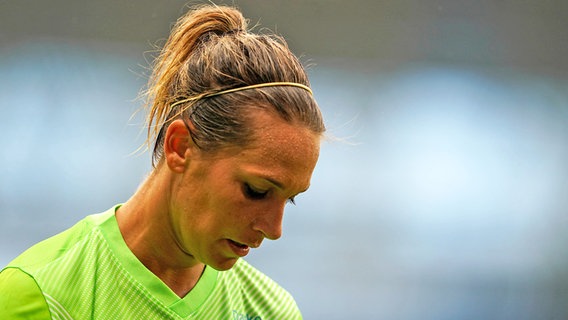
x=279, y=185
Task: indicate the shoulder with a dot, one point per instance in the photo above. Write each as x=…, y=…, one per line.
x=21, y=297
x=259, y=290
x=43, y=253
x=31, y=281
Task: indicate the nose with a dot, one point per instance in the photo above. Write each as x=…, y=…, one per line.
x=269, y=222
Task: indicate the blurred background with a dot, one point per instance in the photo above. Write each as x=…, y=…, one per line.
x=447, y=199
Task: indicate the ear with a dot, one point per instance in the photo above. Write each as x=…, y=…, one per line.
x=177, y=146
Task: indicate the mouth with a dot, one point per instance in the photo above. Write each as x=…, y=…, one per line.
x=238, y=248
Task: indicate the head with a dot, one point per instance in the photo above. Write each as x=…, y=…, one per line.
x=210, y=50
x=236, y=158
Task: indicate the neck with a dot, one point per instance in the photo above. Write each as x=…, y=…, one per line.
x=145, y=226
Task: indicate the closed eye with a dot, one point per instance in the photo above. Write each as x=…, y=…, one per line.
x=253, y=193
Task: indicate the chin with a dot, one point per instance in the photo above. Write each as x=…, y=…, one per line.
x=223, y=265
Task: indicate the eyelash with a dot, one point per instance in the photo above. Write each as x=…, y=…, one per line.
x=253, y=194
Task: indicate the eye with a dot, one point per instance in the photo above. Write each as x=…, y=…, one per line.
x=253, y=193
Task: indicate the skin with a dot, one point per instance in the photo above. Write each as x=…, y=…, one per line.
x=198, y=209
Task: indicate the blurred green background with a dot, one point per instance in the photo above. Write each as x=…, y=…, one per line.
x=448, y=200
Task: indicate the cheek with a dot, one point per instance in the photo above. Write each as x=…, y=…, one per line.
x=241, y=213
x=254, y=212
x=222, y=205
x=235, y=211
x=226, y=207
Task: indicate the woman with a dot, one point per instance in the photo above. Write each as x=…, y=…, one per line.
x=236, y=136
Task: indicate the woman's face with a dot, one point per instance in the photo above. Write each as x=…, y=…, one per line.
x=227, y=203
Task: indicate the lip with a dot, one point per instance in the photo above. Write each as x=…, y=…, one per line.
x=238, y=248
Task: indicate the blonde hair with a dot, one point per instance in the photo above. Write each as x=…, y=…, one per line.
x=210, y=50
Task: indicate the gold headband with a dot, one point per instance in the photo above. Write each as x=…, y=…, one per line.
x=254, y=86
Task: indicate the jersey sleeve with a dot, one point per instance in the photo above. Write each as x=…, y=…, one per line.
x=21, y=297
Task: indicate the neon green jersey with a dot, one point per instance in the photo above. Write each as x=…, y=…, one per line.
x=88, y=272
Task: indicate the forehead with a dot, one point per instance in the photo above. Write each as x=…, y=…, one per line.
x=286, y=151
x=278, y=138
